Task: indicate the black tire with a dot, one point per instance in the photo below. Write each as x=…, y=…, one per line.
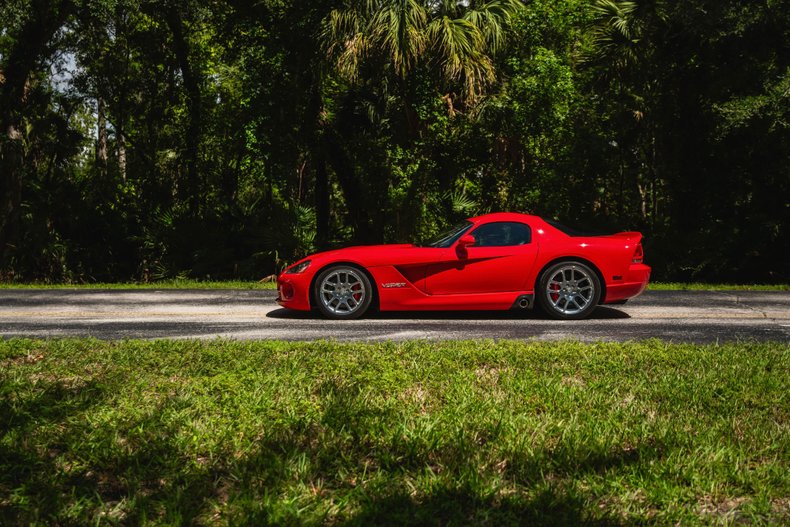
x=342, y=292
x=576, y=296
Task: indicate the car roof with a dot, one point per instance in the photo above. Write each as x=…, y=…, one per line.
x=503, y=216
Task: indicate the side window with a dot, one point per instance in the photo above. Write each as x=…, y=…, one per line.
x=502, y=234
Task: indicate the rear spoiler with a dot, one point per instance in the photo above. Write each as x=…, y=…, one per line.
x=628, y=235
x=632, y=239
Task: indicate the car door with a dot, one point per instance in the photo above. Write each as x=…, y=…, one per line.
x=499, y=261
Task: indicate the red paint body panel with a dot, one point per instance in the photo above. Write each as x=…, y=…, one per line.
x=408, y=277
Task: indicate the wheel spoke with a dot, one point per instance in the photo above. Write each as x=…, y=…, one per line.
x=342, y=291
x=570, y=289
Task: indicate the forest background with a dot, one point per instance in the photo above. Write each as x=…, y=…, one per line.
x=212, y=139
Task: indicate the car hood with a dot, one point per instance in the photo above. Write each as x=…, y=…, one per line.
x=373, y=255
x=363, y=250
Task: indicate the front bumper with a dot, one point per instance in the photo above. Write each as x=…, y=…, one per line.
x=293, y=291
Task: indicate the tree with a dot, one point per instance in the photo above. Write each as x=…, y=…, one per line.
x=672, y=73
x=30, y=45
x=145, y=139
x=392, y=53
x=454, y=40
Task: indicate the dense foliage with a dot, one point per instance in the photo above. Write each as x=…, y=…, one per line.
x=148, y=139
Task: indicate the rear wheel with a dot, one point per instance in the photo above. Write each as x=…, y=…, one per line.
x=343, y=292
x=569, y=290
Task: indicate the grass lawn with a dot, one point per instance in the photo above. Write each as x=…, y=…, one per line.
x=164, y=284
x=223, y=432
x=238, y=284
x=697, y=286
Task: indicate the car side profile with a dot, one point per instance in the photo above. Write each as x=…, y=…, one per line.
x=497, y=261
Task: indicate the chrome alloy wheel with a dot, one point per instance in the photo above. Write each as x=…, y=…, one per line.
x=342, y=292
x=570, y=289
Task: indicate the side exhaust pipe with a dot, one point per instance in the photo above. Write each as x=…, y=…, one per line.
x=524, y=302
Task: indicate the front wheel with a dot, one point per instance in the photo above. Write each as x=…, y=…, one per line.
x=569, y=290
x=343, y=292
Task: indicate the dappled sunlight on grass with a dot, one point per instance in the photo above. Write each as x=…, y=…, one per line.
x=494, y=433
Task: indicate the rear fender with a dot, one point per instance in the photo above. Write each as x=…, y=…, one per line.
x=583, y=260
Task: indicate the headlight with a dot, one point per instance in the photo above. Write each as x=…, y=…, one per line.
x=298, y=268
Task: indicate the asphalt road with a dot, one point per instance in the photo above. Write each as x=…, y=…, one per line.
x=690, y=316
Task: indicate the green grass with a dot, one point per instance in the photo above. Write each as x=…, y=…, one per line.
x=238, y=284
x=698, y=286
x=493, y=433
x=164, y=284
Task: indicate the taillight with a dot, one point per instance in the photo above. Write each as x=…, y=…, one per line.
x=639, y=254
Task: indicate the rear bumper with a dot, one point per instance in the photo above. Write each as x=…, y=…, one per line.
x=633, y=283
x=293, y=291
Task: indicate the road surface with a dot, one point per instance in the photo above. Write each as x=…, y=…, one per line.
x=679, y=316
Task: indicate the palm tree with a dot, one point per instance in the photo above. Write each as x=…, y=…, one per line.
x=385, y=49
x=623, y=32
x=455, y=38
x=615, y=32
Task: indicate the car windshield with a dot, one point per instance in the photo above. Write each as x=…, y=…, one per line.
x=447, y=237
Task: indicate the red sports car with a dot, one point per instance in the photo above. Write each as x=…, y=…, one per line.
x=492, y=262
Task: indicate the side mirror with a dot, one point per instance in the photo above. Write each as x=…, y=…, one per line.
x=465, y=241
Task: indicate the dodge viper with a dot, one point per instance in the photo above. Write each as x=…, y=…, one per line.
x=497, y=261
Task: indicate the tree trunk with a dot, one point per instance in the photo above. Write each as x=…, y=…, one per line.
x=358, y=202
x=321, y=203
x=11, y=155
x=193, y=132
x=121, y=149
x=46, y=17
x=101, y=139
x=315, y=136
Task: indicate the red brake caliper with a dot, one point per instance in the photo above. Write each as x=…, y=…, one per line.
x=555, y=294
